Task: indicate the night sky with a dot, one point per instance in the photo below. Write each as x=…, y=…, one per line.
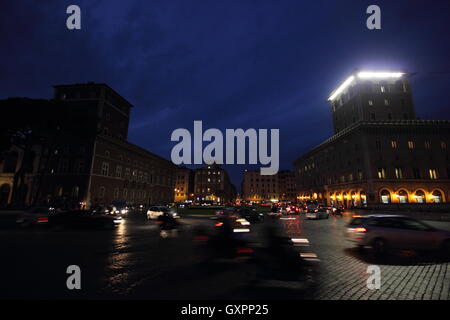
x=232, y=64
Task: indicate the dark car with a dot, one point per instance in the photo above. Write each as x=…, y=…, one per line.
x=84, y=219
x=35, y=216
x=251, y=215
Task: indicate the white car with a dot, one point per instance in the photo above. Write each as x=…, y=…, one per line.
x=156, y=211
x=319, y=213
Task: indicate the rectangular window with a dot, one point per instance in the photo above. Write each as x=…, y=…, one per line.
x=416, y=173
x=386, y=102
x=119, y=171
x=381, y=173
x=360, y=175
x=443, y=145
x=411, y=144
x=101, y=192
x=105, y=168
x=427, y=145
x=382, y=88
x=394, y=144
x=433, y=174
x=398, y=173
x=370, y=102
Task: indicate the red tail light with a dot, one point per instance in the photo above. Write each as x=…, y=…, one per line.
x=244, y=250
x=219, y=224
x=360, y=229
x=158, y=222
x=42, y=220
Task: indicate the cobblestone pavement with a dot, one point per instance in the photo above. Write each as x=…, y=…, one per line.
x=343, y=269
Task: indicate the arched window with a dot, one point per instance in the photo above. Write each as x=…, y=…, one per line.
x=436, y=196
x=420, y=196
x=402, y=196
x=363, y=197
x=385, y=196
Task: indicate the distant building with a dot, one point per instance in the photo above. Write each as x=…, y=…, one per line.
x=287, y=185
x=262, y=188
x=184, y=184
x=212, y=183
x=95, y=164
x=380, y=153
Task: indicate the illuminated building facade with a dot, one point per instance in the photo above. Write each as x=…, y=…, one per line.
x=380, y=153
x=212, y=183
x=260, y=188
x=184, y=184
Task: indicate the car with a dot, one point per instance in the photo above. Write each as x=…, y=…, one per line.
x=35, y=216
x=318, y=213
x=156, y=211
x=84, y=219
x=251, y=215
x=330, y=210
x=384, y=232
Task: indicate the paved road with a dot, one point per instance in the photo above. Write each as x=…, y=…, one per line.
x=343, y=270
x=133, y=262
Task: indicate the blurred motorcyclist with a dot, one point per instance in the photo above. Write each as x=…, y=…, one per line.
x=167, y=224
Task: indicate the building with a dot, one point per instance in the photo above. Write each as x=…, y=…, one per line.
x=212, y=183
x=287, y=185
x=380, y=153
x=260, y=188
x=184, y=185
x=88, y=160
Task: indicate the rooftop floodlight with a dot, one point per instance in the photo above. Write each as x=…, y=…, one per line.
x=342, y=88
x=379, y=75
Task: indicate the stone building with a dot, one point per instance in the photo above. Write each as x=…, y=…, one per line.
x=380, y=153
x=89, y=160
x=212, y=183
x=184, y=184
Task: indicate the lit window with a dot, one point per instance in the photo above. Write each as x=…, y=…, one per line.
x=411, y=144
x=370, y=102
x=381, y=173
x=386, y=102
x=394, y=144
x=443, y=145
x=427, y=144
x=398, y=173
x=433, y=174
x=383, y=89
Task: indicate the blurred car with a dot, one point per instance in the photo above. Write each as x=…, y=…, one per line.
x=231, y=238
x=84, y=219
x=383, y=232
x=283, y=211
x=330, y=210
x=35, y=216
x=156, y=211
x=318, y=213
x=251, y=215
